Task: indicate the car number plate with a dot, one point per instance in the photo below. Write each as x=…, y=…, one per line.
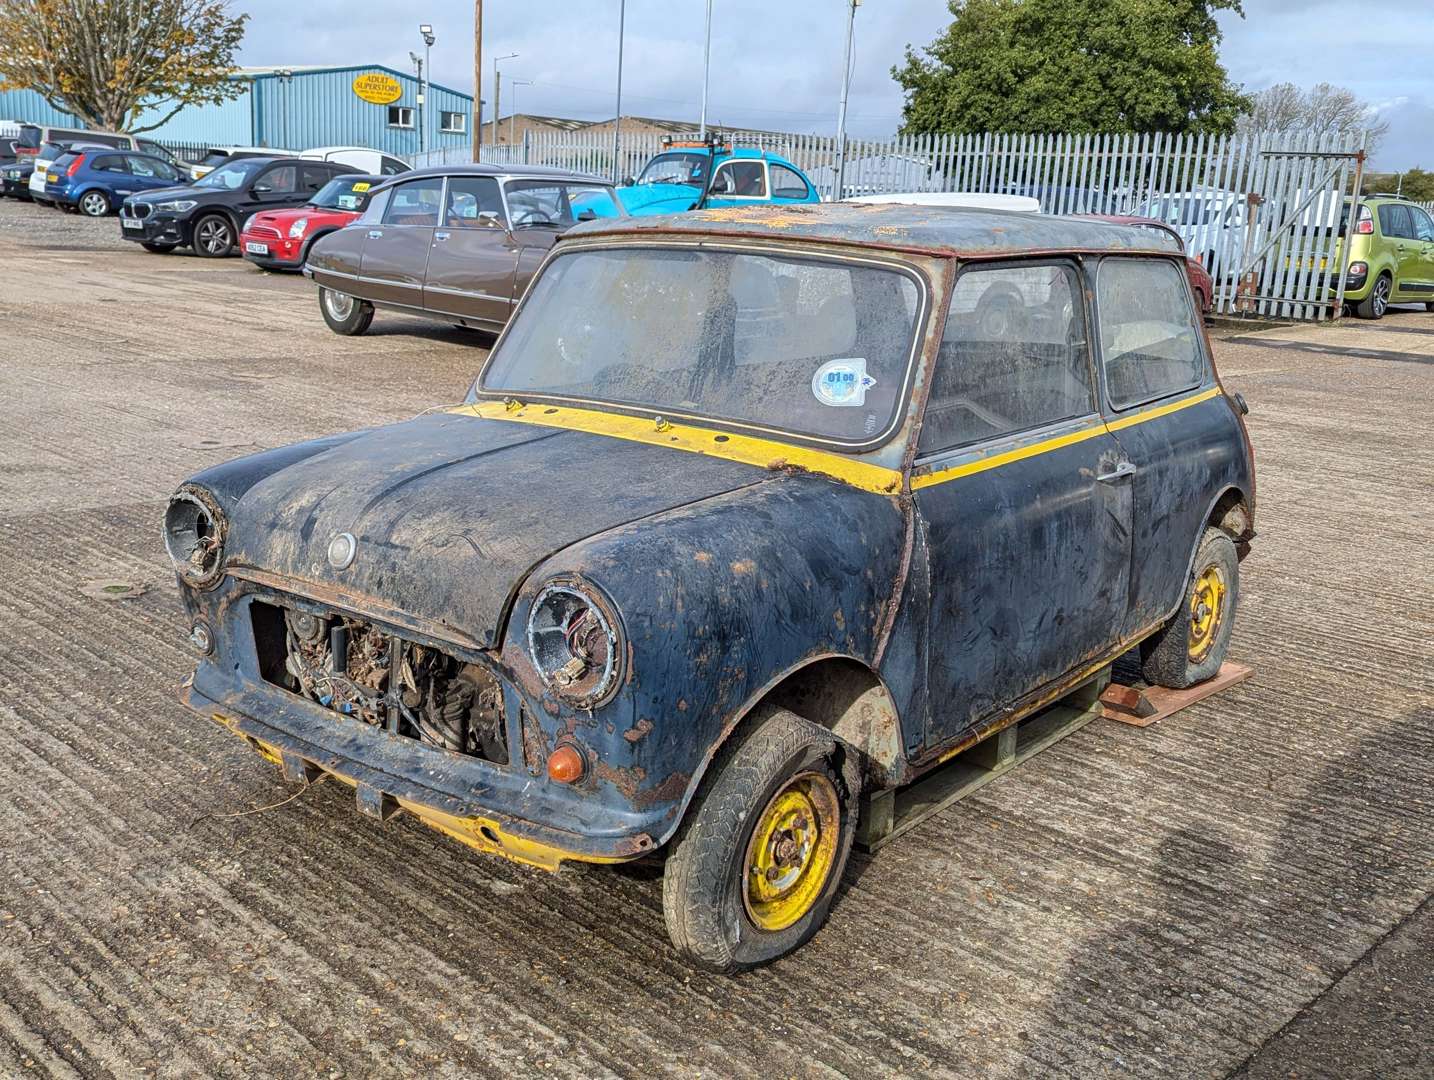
x=131, y=223
x=257, y=249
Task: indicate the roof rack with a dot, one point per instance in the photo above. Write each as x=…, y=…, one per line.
x=713, y=141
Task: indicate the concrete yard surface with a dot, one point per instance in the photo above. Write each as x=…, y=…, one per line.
x=1241, y=889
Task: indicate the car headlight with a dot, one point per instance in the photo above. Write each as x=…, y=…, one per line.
x=575, y=644
x=177, y=206
x=296, y=230
x=194, y=528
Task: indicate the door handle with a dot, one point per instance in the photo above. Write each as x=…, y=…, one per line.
x=439, y=236
x=1124, y=469
x=374, y=234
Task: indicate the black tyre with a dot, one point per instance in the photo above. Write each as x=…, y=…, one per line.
x=94, y=204
x=1429, y=307
x=760, y=854
x=158, y=249
x=345, y=314
x=1191, y=647
x=213, y=236
x=1376, y=303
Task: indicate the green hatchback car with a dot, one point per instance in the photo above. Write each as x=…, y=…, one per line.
x=1391, y=256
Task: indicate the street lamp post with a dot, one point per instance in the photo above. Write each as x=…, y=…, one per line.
x=706, y=70
x=418, y=67
x=513, y=116
x=617, y=118
x=498, y=92
x=426, y=78
x=852, y=5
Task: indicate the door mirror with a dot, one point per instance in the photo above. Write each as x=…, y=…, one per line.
x=262, y=189
x=628, y=181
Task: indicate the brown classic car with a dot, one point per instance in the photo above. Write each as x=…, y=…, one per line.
x=457, y=242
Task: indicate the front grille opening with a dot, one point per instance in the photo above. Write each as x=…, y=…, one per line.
x=356, y=669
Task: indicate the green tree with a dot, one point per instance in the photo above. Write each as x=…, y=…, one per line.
x=1034, y=66
x=109, y=61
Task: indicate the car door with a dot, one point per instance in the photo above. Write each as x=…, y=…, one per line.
x=275, y=188
x=473, y=255
x=115, y=174
x=1420, y=283
x=1022, y=496
x=395, y=252
x=738, y=182
x=539, y=212
x=1175, y=429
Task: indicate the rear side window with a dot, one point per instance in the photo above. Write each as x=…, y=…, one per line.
x=1149, y=341
x=1394, y=220
x=415, y=203
x=314, y=177
x=740, y=179
x=392, y=167
x=1014, y=356
x=787, y=184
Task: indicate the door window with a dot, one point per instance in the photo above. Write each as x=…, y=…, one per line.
x=1423, y=225
x=152, y=167
x=740, y=180
x=113, y=163
x=1150, y=345
x=1394, y=221
x=280, y=179
x=415, y=203
x=1014, y=355
x=787, y=183
x=314, y=177
x=469, y=198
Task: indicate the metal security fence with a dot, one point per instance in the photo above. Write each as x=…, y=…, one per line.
x=1263, y=213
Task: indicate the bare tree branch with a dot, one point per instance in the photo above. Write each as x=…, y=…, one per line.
x=1324, y=107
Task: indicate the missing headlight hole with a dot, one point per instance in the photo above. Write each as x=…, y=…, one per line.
x=386, y=681
x=194, y=535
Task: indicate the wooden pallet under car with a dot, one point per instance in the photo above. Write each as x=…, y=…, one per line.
x=888, y=814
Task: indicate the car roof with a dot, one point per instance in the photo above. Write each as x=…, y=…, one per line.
x=507, y=172
x=936, y=230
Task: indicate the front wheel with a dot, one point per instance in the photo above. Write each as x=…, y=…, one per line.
x=1191, y=647
x=1376, y=303
x=761, y=851
x=94, y=204
x=345, y=314
x=213, y=236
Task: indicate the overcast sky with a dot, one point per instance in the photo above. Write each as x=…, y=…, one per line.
x=778, y=65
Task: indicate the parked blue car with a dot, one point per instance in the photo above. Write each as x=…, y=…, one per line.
x=95, y=180
x=695, y=175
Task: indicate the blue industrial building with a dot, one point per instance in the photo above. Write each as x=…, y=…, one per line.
x=299, y=107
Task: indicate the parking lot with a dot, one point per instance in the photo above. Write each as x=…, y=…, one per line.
x=1242, y=889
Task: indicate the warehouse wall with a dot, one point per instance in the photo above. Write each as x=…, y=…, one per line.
x=228, y=123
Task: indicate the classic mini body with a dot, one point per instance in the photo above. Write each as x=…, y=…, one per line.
x=742, y=519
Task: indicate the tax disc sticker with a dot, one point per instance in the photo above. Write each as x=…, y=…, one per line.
x=842, y=382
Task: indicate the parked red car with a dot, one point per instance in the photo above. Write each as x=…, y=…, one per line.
x=280, y=239
x=1199, y=276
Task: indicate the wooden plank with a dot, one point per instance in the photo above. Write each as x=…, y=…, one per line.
x=888, y=814
x=1140, y=706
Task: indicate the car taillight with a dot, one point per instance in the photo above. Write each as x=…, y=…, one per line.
x=75, y=165
x=1365, y=227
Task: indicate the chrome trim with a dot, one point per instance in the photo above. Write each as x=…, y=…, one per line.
x=469, y=292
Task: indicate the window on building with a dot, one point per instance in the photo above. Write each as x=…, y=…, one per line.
x=455, y=122
x=400, y=116
x=1013, y=357
x=1148, y=335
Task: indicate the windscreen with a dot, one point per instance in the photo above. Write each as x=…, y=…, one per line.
x=814, y=347
x=343, y=193
x=676, y=169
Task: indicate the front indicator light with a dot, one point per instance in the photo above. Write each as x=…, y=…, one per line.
x=566, y=764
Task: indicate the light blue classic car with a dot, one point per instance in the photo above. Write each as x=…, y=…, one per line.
x=692, y=175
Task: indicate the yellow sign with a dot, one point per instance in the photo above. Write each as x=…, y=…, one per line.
x=361, y=186
x=378, y=88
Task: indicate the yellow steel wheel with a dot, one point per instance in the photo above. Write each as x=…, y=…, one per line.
x=1207, y=608
x=792, y=851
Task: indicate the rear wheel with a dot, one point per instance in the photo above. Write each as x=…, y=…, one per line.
x=761, y=851
x=1191, y=647
x=95, y=204
x=1376, y=303
x=213, y=236
x=345, y=314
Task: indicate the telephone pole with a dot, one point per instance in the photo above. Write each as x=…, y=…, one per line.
x=841, y=112
x=477, y=79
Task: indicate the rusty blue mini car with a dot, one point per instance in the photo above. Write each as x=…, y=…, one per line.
x=749, y=512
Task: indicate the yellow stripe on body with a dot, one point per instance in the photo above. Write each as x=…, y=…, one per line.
x=764, y=453
x=1020, y=453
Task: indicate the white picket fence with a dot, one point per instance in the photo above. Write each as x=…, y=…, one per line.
x=1259, y=209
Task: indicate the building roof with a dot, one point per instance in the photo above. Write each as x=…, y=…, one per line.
x=933, y=230
x=271, y=71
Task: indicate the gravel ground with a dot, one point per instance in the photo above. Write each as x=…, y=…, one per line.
x=1236, y=889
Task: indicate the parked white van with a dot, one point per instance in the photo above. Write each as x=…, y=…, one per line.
x=373, y=162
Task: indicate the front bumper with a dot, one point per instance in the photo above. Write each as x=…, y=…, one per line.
x=16, y=189
x=156, y=229
x=283, y=253
x=508, y=810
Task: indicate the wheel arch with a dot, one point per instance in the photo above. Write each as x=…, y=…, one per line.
x=309, y=243
x=840, y=693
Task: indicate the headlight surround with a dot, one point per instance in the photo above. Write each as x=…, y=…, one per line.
x=194, y=532
x=575, y=644
x=296, y=230
x=176, y=206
